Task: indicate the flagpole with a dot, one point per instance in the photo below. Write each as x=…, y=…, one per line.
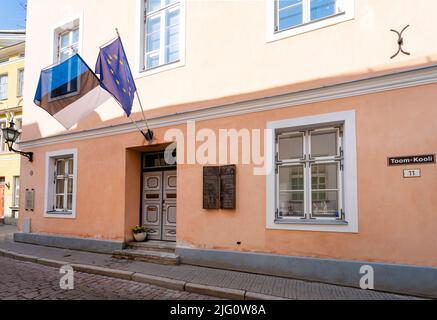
x=149, y=132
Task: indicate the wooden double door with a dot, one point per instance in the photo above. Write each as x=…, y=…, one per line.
x=159, y=204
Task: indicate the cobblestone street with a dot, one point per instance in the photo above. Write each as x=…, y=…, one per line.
x=28, y=281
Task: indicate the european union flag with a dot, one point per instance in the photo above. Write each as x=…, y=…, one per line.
x=115, y=74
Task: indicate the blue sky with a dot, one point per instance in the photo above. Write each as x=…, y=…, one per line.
x=12, y=16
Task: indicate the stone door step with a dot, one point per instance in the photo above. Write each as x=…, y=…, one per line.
x=159, y=246
x=165, y=258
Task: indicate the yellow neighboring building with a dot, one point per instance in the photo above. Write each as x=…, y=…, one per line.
x=12, y=48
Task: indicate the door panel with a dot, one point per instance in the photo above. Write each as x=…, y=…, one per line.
x=169, y=206
x=152, y=206
x=159, y=205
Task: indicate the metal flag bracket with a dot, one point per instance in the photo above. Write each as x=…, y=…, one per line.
x=400, y=42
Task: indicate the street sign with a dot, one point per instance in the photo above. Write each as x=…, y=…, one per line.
x=409, y=160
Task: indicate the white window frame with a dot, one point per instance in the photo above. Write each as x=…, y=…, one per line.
x=141, y=43
x=5, y=75
x=64, y=26
x=73, y=46
x=20, y=82
x=350, y=193
x=16, y=192
x=50, y=192
x=307, y=162
x=3, y=147
x=346, y=12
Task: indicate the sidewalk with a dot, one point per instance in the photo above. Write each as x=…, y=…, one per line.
x=216, y=282
x=7, y=232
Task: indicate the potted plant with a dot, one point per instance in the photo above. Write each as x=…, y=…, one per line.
x=139, y=233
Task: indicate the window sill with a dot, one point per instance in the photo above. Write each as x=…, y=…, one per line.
x=163, y=68
x=59, y=215
x=311, y=222
x=343, y=16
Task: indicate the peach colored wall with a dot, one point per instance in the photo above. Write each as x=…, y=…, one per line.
x=397, y=216
x=227, y=55
x=226, y=49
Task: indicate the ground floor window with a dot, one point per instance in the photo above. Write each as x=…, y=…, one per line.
x=313, y=182
x=309, y=173
x=61, y=184
x=16, y=194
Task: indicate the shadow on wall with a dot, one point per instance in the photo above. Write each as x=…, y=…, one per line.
x=94, y=120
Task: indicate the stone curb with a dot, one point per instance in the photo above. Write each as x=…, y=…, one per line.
x=226, y=293
x=260, y=296
x=52, y=263
x=124, y=275
x=159, y=281
x=232, y=294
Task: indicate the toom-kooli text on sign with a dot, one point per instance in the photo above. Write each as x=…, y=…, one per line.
x=401, y=161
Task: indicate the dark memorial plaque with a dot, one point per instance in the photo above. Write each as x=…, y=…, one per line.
x=219, y=187
x=227, y=187
x=211, y=188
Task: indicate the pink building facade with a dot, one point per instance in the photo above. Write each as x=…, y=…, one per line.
x=302, y=97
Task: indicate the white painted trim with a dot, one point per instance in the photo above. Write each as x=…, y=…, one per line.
x=394, y=81
x=271, y=35
x=140, y=71
x=3, y=64
x=347, y=118
x=56, y=29
x=50, y=156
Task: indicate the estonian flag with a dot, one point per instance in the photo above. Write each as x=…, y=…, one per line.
x=69, y=91
x=115, y=74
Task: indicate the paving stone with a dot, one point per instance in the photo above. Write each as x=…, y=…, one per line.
x=260, y=284
x=30, y=281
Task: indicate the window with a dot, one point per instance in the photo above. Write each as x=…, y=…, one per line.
x=313, y=182
x=67, y=39
x=18, y=125
x=61, y=184
x=68, y=44
x=20, y=83
x=162, y=32
x=4, y=86
x=291, y=17
x=292, y=13
x=3, y=147
x=309, y=171
x=16, y=192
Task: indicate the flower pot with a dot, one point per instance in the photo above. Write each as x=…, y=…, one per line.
x=140, y=237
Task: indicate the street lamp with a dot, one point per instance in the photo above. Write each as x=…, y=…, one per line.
x=11, y=136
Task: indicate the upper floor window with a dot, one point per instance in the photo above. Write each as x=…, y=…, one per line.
x=3, y=147
x=20, y=84
x=292, y=13
x=291, y=17
x=4, y=79
x=68, y=44
x=162, y=32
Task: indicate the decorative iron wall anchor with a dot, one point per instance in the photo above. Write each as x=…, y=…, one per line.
x=400, y=42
